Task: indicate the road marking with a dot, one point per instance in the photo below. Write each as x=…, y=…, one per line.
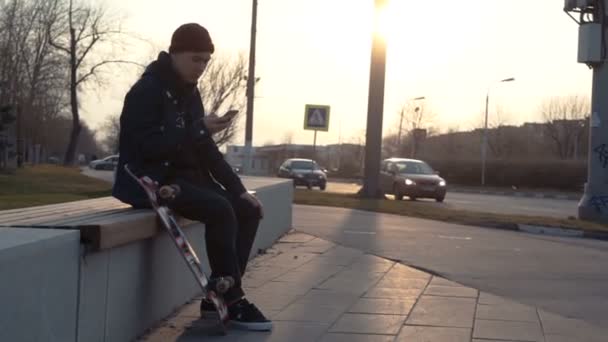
x=455, y=237
x=357, y=232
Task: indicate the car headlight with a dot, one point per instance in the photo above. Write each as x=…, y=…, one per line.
x=409, y=182
x=442, y=183
x=299, y=175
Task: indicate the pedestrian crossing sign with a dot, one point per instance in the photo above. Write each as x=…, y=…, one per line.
x=316, y=118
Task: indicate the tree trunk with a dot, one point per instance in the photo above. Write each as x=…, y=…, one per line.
x=71, y=151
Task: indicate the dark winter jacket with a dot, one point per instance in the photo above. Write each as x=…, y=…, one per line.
x=162, y=135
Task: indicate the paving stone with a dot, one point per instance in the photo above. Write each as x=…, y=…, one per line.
x=303, y=312
x=433, y=334
x=508, y=330
x=277, y=288
x=315, y=249
x=368, y=324
x=292, y=259
x=340, y=251
x=383, y=292
x=451, y=291
x=268, y=302
x=296, y=238
x=402, y=271
x=402, y=283
x=329, y=298
x=285, y=331
x=443, y=282
x=383, y=306
x=507, y=312
x=337, y=337
x=349, y=283
x=443, y=312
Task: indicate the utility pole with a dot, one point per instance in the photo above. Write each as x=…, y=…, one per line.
x=251, y=81
x=592, y=50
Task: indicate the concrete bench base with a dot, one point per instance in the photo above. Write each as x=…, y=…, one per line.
x=59, y=289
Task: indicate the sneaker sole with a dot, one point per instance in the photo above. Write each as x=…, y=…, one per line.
x=258, y=326
x=210, y=315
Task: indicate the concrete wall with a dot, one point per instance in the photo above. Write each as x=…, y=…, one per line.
x=38, y=285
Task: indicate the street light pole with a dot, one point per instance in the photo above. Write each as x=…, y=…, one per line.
x=484, y=142
x=251, y=81
x=375, y=107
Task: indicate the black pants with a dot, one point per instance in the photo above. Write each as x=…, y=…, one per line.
x=231, y=225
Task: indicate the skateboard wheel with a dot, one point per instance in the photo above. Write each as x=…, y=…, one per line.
x=168, y=191
x=223, y=284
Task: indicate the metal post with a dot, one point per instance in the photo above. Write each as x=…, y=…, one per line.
x=251, y=80
x=400, y=128
x=375, y=108
x=314, y=146
x=484, y=142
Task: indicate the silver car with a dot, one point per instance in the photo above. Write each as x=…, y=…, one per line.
x=412, y=178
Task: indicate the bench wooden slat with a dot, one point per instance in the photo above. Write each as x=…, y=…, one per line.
x=56, y=215
x=11, y=215
x=91, y=218
x=58, y=205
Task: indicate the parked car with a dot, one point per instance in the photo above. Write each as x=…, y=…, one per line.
x=107, y=163
x=305, y=172
x=412, y=178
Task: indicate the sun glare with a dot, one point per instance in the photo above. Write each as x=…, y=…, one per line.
x=383, y=20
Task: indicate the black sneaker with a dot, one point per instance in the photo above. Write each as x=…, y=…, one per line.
x=246, y=315
x=208, y=309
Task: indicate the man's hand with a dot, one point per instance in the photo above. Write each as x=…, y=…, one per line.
x=215, y=124
x=254, y=202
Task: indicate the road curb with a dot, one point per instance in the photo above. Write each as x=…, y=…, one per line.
x=562, y=232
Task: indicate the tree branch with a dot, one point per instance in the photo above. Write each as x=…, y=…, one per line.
x=100, y=64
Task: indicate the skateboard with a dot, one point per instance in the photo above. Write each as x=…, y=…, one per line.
x=212, y=288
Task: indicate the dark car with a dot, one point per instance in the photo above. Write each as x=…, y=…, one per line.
x=412, y=178
x=305, y=172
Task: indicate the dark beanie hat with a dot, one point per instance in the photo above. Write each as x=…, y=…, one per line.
x=191, y=38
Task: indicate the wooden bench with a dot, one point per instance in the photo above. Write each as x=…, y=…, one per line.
x=129, y=275
x=103, y=223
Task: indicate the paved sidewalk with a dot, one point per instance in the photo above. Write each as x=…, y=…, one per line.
x=315, y=290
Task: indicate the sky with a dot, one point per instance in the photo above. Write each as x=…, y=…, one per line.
x=318, y=51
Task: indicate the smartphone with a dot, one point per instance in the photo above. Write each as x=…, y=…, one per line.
x=230, y=115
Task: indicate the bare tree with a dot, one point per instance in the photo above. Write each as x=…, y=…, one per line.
x=222, y=89
x=33, y=78
x=565, y=119
x=80, y=31
x=111, y=133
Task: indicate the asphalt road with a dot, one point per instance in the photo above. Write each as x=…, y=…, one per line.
x=489, y=203
x=562, y=275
